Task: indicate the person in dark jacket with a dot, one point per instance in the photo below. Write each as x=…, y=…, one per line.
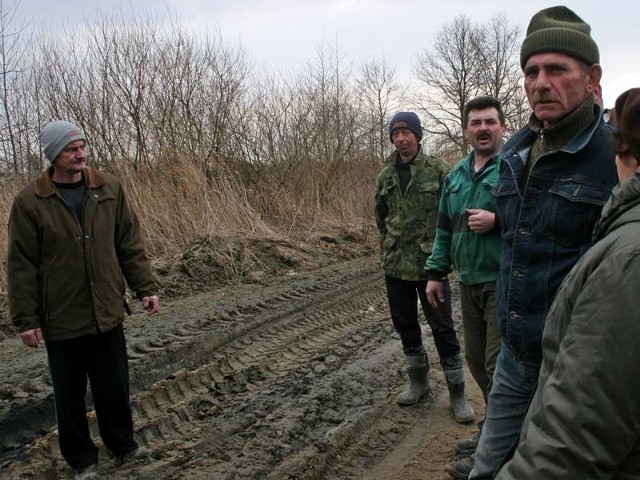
x=584, y=419
x=406, y=208
x=555, y=176
x=72, y=237
x=467, y=240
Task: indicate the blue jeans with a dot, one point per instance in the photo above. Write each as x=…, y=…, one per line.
x=513, y=383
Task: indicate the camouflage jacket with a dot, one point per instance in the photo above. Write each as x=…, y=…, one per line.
x=407, y=223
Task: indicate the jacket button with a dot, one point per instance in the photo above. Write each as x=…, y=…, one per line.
x=517, y=274
x=523, y=231
x=513, y=315
x=86, y=237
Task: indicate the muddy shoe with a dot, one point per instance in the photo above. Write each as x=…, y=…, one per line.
x=461, y=469
x=87, y=472
x=137, y=454
x=467, y=446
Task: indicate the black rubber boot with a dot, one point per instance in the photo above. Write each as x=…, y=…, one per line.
x=418, y=370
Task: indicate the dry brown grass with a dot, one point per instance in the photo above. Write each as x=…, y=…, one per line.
x=178, y=206
x=9, y=186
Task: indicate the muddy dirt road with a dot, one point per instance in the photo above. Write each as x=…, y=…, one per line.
x=295, y=378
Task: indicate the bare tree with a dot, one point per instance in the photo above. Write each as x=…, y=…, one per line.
x=13, y=50
x=450, y=74
x=144, y=93
x=378, y=94
x=501, y=75
x=468, y=60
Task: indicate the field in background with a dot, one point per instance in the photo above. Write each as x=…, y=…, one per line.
x=214, y=227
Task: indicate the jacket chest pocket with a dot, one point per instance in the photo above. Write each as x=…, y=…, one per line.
x=101, y=216
x=451, y=189
x=422, y=208
x=507, y=205
x=390, y=194
x=428, y=190
x=482, y=196
x=572, y=211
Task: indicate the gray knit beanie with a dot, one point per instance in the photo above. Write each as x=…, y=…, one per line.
x=559, y=29
x=57, y=135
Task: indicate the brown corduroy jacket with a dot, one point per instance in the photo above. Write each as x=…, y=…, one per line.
x=66, y=278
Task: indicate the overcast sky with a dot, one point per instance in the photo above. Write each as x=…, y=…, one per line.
x=282, y=35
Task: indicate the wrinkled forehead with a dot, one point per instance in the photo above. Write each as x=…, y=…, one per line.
x=551, y=59
x=75, y=144
x=488, y=113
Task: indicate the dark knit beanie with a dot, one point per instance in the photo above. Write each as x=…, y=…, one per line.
x=559, y=29
x=57, y=135
x=627, y=116
x=406, y=120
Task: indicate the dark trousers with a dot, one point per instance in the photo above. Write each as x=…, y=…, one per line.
x=102, y=358
x=403, y=304
x=482, y=340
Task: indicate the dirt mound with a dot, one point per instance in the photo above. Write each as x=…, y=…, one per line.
x=211, y=262
x=215, y=261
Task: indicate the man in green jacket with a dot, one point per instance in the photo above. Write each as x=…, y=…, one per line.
x=406, y=207
x=466, y=238
x=73, y=236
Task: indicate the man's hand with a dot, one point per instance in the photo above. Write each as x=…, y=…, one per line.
x=435, y=293
x=151, y=304
x=481, y=221
x=32, y=338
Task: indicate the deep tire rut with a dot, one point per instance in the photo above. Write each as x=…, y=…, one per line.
x=280, y=381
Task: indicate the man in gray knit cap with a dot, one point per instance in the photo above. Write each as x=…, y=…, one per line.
x=556, y=174
x=72, y=237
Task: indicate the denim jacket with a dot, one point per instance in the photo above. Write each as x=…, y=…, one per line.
x=547, y=221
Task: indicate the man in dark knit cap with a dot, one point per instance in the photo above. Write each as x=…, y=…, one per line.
x=73, y=240
x=406, y=209
x=556, y=174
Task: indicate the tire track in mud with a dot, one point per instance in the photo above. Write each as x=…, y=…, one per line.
x=277, y=386
x=158, y=349
x=273, y=359
x=292, y=380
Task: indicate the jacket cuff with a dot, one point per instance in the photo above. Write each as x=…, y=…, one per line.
x=436, y=275
x=147, y=293
x=497, y=226
x=26, y=324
